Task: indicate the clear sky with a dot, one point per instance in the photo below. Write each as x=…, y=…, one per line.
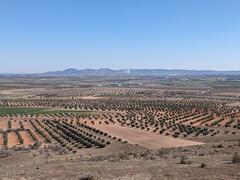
x=43, y=35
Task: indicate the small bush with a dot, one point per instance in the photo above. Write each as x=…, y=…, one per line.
x=4, y=153
x=236, y=158
x=203, y=165
x=220, y=146
x=87, y=178
x=184, y=160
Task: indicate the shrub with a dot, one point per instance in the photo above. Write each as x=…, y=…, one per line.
x=220, y=146
x=87, y=178
x=203, y=165
x=4, y=153
x=183, y=160
x=236, y=158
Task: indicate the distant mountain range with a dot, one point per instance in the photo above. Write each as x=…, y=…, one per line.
x=128, y=72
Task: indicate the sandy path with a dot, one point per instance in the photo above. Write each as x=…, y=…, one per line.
x=144, y=138
x=12, y=139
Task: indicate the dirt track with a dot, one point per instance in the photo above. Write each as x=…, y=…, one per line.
x=146, y=139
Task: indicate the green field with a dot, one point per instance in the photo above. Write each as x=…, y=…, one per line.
x=28, y=110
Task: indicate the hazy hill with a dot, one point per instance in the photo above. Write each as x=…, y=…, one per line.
x=128, y=72
x=136, y=72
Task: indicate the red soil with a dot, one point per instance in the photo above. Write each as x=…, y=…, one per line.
x=3, y=124
x=12, y=139
x=27, y=140
x=15, y=125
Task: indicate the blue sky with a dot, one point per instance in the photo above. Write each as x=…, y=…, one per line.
x=43, y=35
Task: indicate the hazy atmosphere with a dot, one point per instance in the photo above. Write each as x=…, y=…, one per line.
x=40, y=36
x=120, y=89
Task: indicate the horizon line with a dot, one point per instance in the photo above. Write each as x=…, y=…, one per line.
x=169, y=69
